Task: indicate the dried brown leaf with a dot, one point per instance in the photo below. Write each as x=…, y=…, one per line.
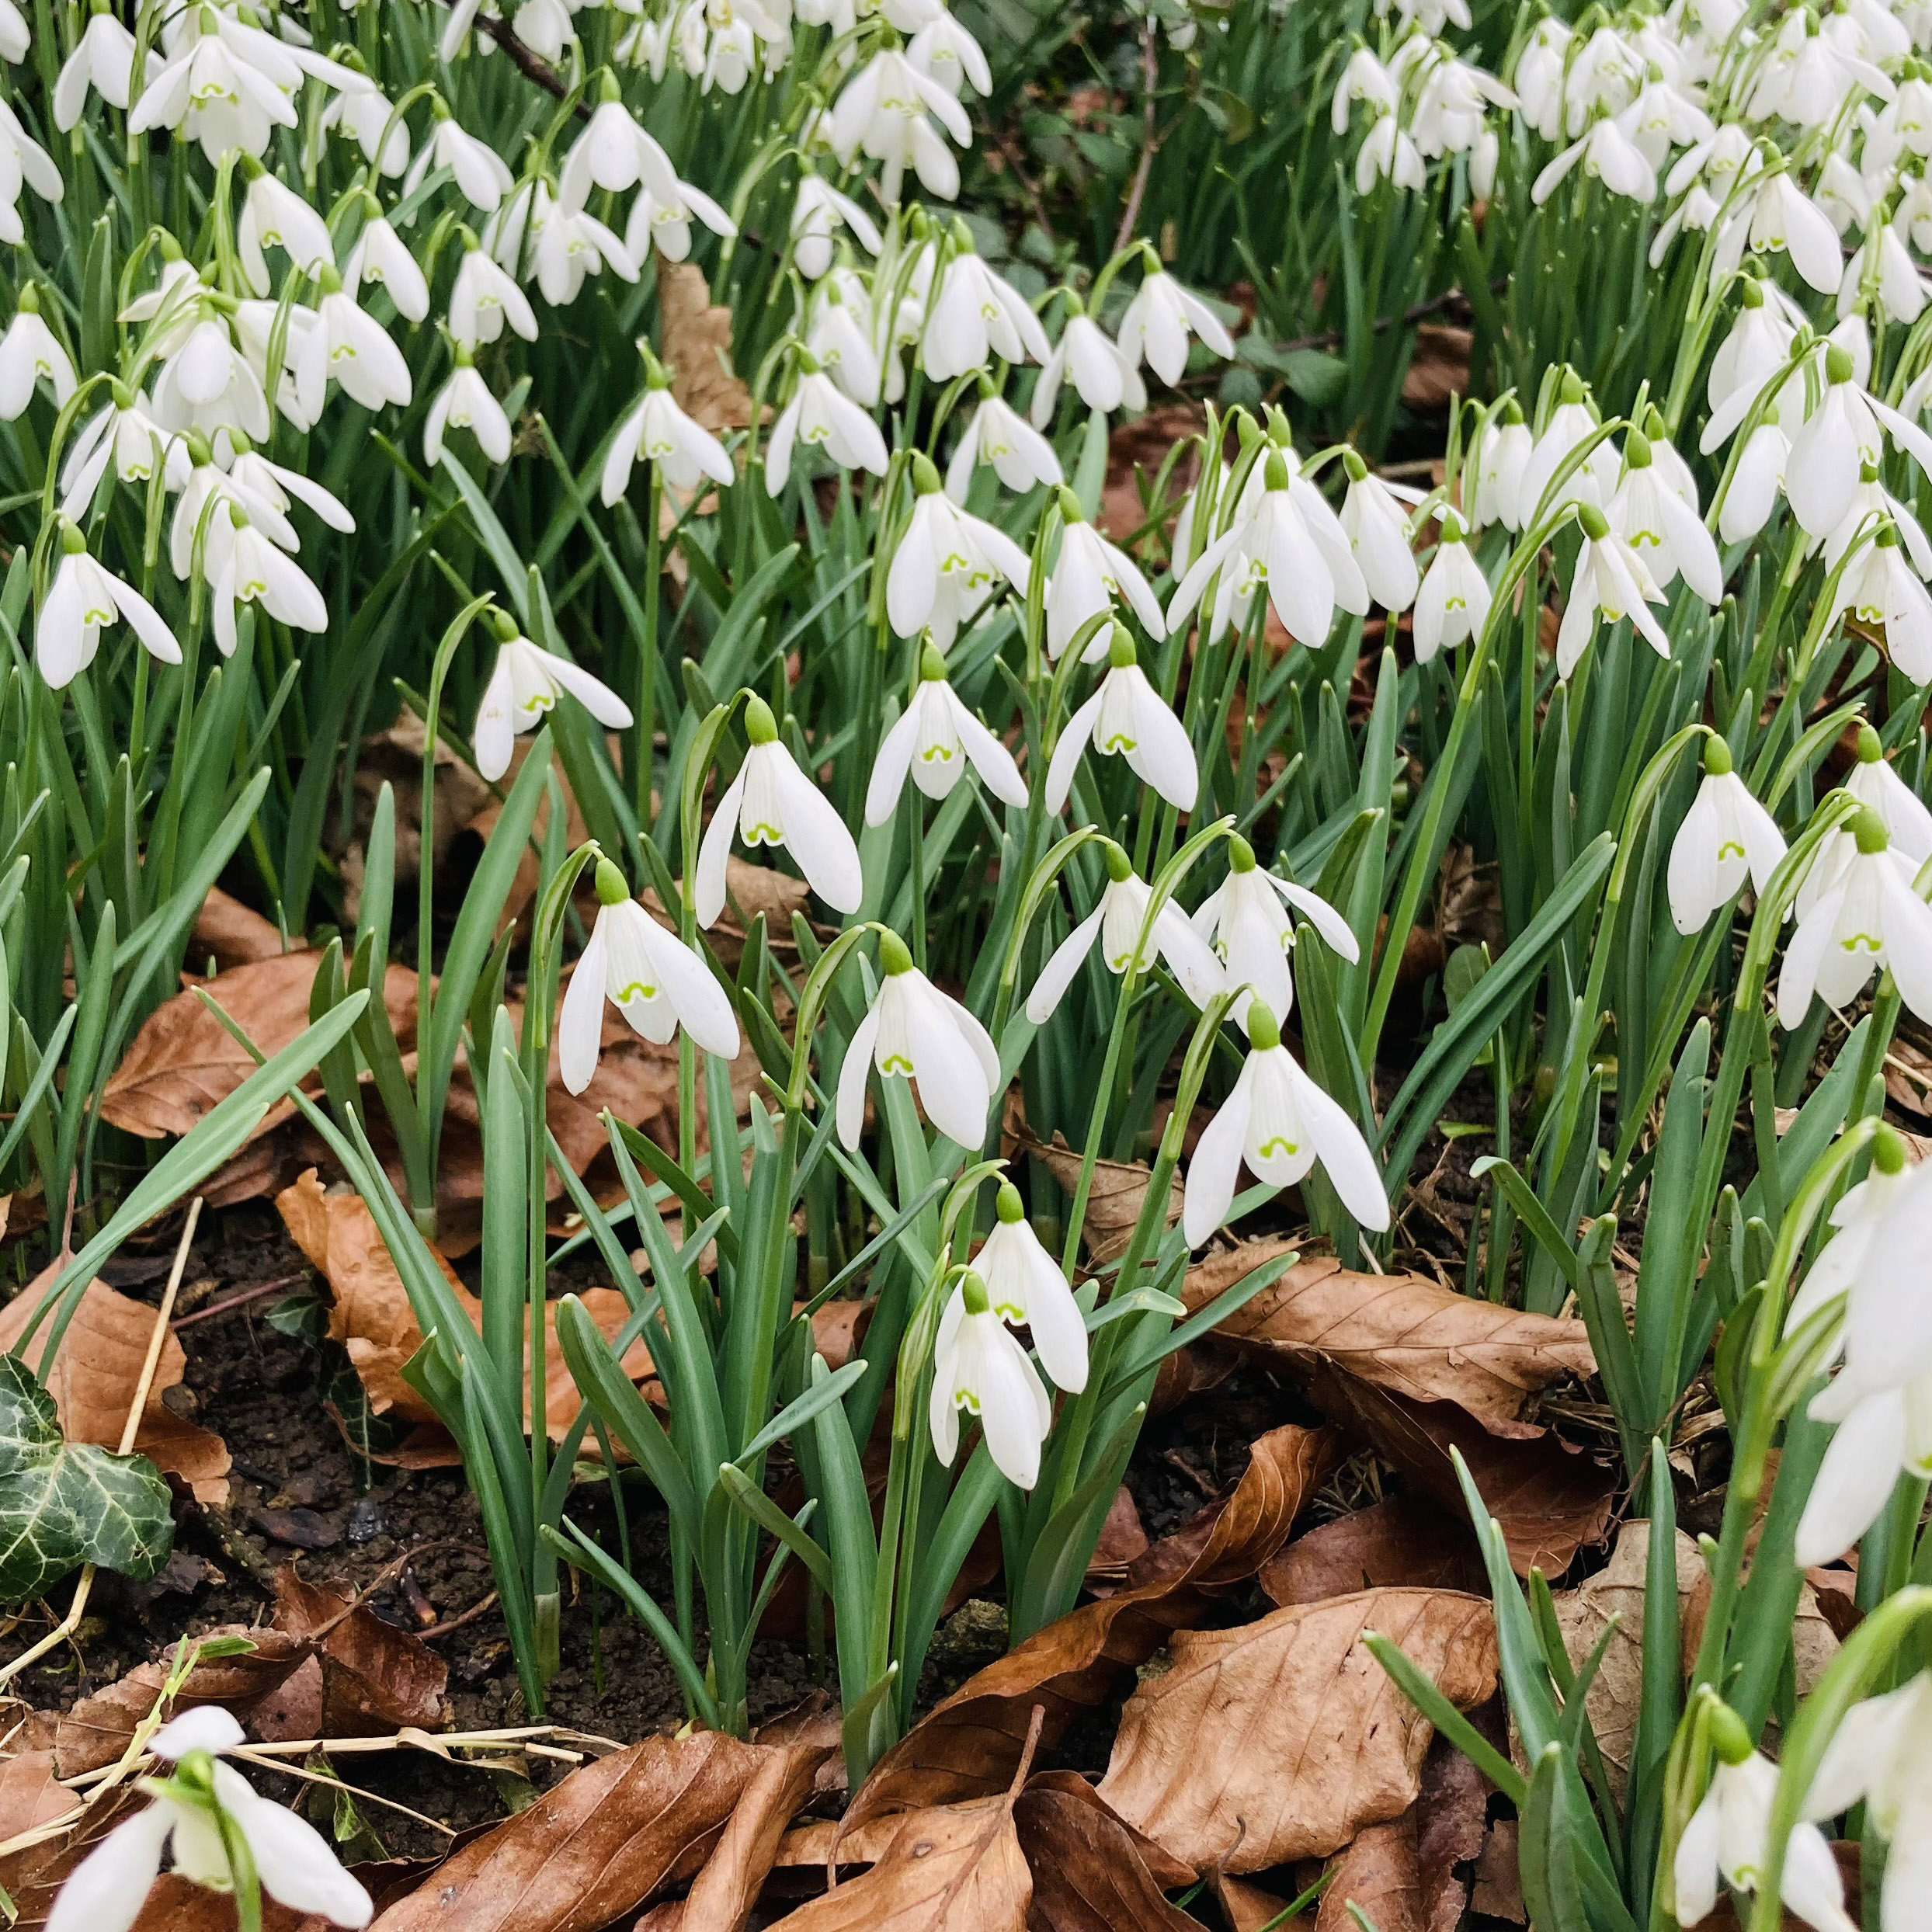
x=375, y=1677
x=1498, y=1890
x=31, y=1793
x=1378, y=1874
x=175, y=1904
x=1438, y=369
x=1119, y=1188
x=1393, y=1541
x=1283, y=1738
x=969, y=1745
x=1247, y=1908
x=232, y=934
x=1092, y=1871
x=1122, y=1542
x=696, y=343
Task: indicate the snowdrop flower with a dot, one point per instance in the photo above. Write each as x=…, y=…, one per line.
x=1378, y=530
x=485, y=297
x=915, y=1032
x=1867, y=918
x=1116, y=922
x=571, y=246
x=1759, y=343
x=1104, y=375
x=1388, y=154
x=348, y=346
x=1756, y=480
x=368, y=117
x=523, y=690
x=664, y=223
x=1020, y=456
x=1538, y=77
x=260, y=483
x=1660, y=527
x=1453, y=602
x=1572, y=425
x=83, y=597
x=883, y=110
x=257, y=571
x=1901, y=292
x=103, y=59
x=30, y=355
x=1873, y=782
x=819, y=210
x=974, y=315
x=202, y=517
x=1727, y=1834
x=1610, y=580
x=935, y=740
x=126, y=435
x=1846, y=431
x=105, y=1891
x=944, y=52
x=380, y=255
x=22, y=159
x=16, y=37
x=1854, y=1260
x=614, y=153
x=646, y=972
x=1503, y=456
x=684, y=452
x=947, y=565
x=273, y=215
x=464, y=402
x=1087, y=573
x=1024, y=1285
x=1158, y=321
x=1607, y=154
x=1363, y=78
x=1880, y=1437
x=1783, y=217
x=1126, y=715
x=772, y=802
x=1726, y=835
x=1280, y=1123
x=1249, y=919
x=841, y=345
x=210, y=385
x=1884, y=590
x=977, y=1365
x=819, y=415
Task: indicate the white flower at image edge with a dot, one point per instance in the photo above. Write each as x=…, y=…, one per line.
x=105, y=1891
x=649, y=975
x=915, y=1032
x=1869, y=917
x=772, y=802
x=1126, y=715
x=523, y=689
x=934, y=742
x=1279, y=1121
x=978, y=1366
x=1726, y=836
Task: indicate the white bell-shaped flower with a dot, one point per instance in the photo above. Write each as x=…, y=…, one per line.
x=649, y=975
x=772, y=802
x=1757, y=481
x=915, y=1032
x=29, y=355
x=945, y=53
x=464, y=402
x=347, y=345
x=1020, y=456
x=103, y=59
x=1846, y=431
x=684, y=452
x=884, y=110
x=614, y=153
x=663, y=222
x=84, y=597
x=1377, y=526
x=1452, y=604
x=1160, y=318
x=1879, y=1437
x=819, y=415
x=1883, y=590
x=1088, y=574
x=382, y=256
x=485, y=297
x=1127, y=716
x=481, y=175
x=974, y=315
x=1611, y=581
x=1502, y=455
x=1249, y=919
x=818, y=213
x=978, y=1366
x=1103, y=375
x=1866, y=919
x=1660, y=527
x=947, y=565
x=273, y=215
x=523, y=690
x=1025, y=1286
x=1726, y=837
x=839, y=341
x=257, y=570
x=935, y=740
x=126, y=436
x=1572, y=422
x=1280, y=1122
x=1873, y=782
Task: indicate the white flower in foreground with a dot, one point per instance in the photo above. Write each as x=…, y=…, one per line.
x=382, y=256
x=1377, y=528
x=273, y=215
x=1845, y=432
x=979, y=1366
x=1104, y=376
x=649, y=975
x=974, y=315
x=84, y=596
x=1280, y=1122
x=1127, y=715
x=1021, y=457
x=523, y=690
x=1727, y=1834
x=30, y=354
x=1853, y=1263
x=1661, y=528
x=684, y=452
x=1453, y=602
x=464, y=402
x=1024, y=1284
x=1572, y=423
x=1159, y=319
x=126, y=435
x=1756, y=482
x=103, y=59
x=1116, y=922
x=105, y=1891
x=481, y=176
x=664, y=221
x=915, y=1032
x=1867, y=919
x=257, y=570
x=1249, y=919
x=1389, y=153
x=772, y=802
x=948, y=565
x=944, y=51
x=485, y=297
x=817, y=212
x=1873, y=782
x=935, y=741
x=615, y=153
x=347, y=345
x=1502, y=455
x=819, y=414
x=22, y=159
x=1783, y=217
x=1611, y=580
x=1880, y=587
x=1088, y=574
x=1726, y=835
x=1609, y=155
x=1880, y=1437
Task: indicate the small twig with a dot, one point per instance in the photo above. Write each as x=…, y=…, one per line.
x=527, y=61
x=1150, y=143
x=250, y=1755
x=456, y=1623
x=254, y=1294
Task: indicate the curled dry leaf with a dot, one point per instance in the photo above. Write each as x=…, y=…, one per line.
x=94, y=1378
x=1119, y=1187
x=1380, y=1875
x=594, y=1847
x=1092, y=1871
x=969, y=1746
x=1247, y=1908
x=371, y=1317
x=1402, y=1333
x=1122, y=1542
x=1393, y=1541
x=375, y=1677
x=184, y=1061
x=1283, y=1738
x=697, y=345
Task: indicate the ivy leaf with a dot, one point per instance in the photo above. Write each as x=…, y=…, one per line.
x=63, y=1504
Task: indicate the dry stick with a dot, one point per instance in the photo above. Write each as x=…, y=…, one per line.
x=84, y=1588
x=254, y=1294
x=250, y=1755
x=1150, y=76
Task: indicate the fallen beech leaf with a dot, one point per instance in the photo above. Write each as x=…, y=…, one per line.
x=1248, y=1909
x=1498, y=1890
x=1122, y=1542
x=1393, y=1541
x=375, y=1677
x=233, y=934
x=95, y=1732
x=696, y=339
x=30, y=1793
x=1091, y=1872
x=1550, y=1499
x=593, y=1848
x=371, y=1317
x=1438, y=369
x=32, y=1879
x=1378, y=1875
x=93, y=1380
x=1283, y=1738
x=175, y=1904
x=183, y=1061
x=1114, y=1205
x=969, y=1746
x=1402, y=1333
